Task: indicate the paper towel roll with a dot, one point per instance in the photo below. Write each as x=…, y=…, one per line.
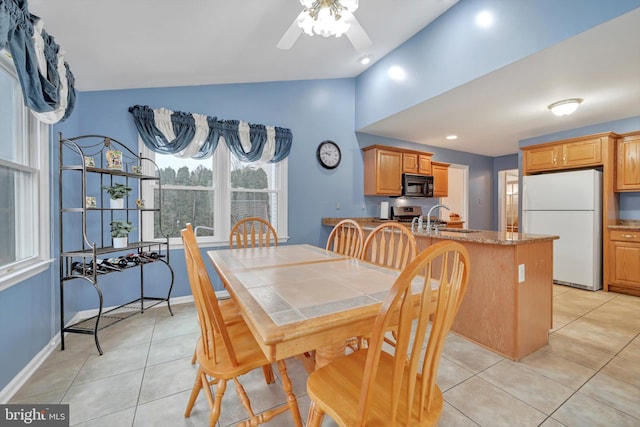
x=384, y=210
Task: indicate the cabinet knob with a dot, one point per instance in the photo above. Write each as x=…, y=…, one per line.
x=628, y=236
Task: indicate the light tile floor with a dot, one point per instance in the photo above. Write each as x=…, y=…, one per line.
x=588, y=375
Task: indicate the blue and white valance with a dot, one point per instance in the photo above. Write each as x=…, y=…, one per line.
x=48, y=86
x=197, y=136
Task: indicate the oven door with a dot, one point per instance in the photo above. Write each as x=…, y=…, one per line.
x=417, y=185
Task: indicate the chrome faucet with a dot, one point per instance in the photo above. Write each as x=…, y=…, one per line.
x=416, y=221
x=429, y=217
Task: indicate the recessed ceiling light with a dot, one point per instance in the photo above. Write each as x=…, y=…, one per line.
x=451, y=137
x=484, y=19
x=397, y=73
x=365, y=60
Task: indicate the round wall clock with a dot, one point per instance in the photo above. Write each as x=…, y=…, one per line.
x=329, y=154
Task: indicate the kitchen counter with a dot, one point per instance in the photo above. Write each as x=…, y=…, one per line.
x=462, y=235
x=508, y=304
x=624, y=224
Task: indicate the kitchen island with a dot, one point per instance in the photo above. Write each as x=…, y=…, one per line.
x=508, y=304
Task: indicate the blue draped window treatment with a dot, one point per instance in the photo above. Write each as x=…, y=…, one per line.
x=197, y=136
x=48, y=86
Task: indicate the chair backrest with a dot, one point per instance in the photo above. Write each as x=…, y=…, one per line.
x=390, y=244
x=445, y=265
x=346, y=238
x=252, y=232
x=210, y=317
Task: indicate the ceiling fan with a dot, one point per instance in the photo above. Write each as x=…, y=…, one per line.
x=327, y=18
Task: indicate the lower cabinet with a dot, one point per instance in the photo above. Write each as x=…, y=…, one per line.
x=624, y=261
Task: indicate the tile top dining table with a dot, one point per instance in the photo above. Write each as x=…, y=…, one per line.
x=301, y=298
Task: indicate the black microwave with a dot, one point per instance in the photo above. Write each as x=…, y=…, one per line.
x=417, y=185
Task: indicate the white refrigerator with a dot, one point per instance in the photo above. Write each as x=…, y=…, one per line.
x=569, y=205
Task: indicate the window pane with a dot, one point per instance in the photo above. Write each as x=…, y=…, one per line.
x=250, y=203
x=188, y=196
x=257, y=175
x=12, y=121
x=180, y=207
x=16, y=216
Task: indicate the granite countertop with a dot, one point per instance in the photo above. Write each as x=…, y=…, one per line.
x=624, y=224
x=463, y=235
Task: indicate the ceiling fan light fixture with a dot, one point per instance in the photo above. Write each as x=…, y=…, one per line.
x=565, y=107
x=323, y=17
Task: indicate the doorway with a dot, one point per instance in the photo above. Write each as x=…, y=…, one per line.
x=508, y=182
x=458, y=194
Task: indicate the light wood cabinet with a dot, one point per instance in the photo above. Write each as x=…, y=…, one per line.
x=624, y=261
x=628, y=163
x=440, y=179
x=409, y=162
x=415, y=162
x=571, y=154
x=382, y=171
x=424, y=164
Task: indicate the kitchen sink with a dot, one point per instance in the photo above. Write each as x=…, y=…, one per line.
x=458, y=230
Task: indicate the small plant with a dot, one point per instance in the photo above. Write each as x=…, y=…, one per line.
x=121, y=228
x=117, y=191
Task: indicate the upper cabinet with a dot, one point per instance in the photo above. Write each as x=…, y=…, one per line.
x=628, y=163
x=384, y=166
x=416, y=162
x=569, y=154
x=440, y=179
x=382, y=171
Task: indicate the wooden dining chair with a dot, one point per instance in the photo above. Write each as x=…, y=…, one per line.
x=225, y=352
x=372, y=387
x=390, y=244
x=228, y=307
x=346, y=238
x=252, y=232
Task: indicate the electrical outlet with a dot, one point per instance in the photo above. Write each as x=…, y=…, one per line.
x=520, y=273
x=337, y=206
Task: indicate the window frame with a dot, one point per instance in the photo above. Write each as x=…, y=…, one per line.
x=37, y=135
x=221, y=164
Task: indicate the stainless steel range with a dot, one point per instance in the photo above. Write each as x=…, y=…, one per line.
x=405, y=213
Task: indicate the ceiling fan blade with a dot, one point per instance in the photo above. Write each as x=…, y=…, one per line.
x=291, y=35
x=356, y=34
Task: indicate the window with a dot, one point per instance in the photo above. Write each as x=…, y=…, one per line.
x=215, y=193
x=24, y=186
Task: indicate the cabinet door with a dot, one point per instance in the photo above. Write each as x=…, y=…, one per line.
x=424, y=164
x=440, y=180
x=628, y=164
x=410, y=163
x=541, y=158
x=583, y=153
x=382, y=172
x=625, y=264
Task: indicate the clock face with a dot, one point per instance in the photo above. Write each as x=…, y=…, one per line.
x=329, y=154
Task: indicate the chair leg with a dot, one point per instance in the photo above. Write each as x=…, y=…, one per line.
x=214, y=404
x=195, y=356
x=316, y=415
x=267, y=370
x=288, y=389
x=197, y=386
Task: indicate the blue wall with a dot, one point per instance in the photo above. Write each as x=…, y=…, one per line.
x=453, y=50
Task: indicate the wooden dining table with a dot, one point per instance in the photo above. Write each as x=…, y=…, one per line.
x=297, y=299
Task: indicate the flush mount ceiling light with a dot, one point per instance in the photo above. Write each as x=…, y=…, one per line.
x=565, y=107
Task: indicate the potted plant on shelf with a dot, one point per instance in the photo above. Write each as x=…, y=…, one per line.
x=120, y=232
x=117, y=192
